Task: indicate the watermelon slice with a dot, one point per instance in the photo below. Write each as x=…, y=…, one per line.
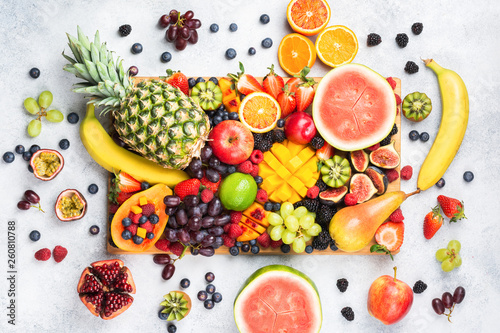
x=278, y=298
x=354, y=107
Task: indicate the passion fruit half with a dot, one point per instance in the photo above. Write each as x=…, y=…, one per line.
x=46, y=164
x=70, y=205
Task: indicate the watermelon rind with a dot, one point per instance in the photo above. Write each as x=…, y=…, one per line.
x=281, y=271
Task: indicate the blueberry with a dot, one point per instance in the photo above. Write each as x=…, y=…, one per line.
x=268, y=206
x=440, y=183
x=34, y=73
x=258, y=179
x=414, y=135
x=221, y=108
x=30, y=168
x=208, y=304
x=20, y=149
x=185, y=283
x=126, y=235
x=137, y=240
x=210, y=288
x=219, y=113
x=34, y=149
x=8, y=157
x=276, y=206
x=233, y=115
x=234, y=250
x=210, y=277
x=468, y=176
x=424, y=136
x=264, y=19
x=162, y=315
x=242, y=97
x=110, y=217
x=281, y=123
x=27, y=155
x=238, y=244
x=267, y=43
x=200, y=79
x=252, y=51
x=214, y=80
x=126, y=222
x=94, y=230
x=166, y=56
x=253, y=242
x=93, y=188
x=144, y=186
x=217, y=120
x=217, y=297
x=35, y=235
x=245, y=247
x=233, y=27
x=333, y=246
x=309, y=249
x=231, y=169
x=255, y=249
x=225, y=118
x=202, y=295
x=136, y=48
x=191, y=82
x=230, y=53
x=210, y=113
x=153, y=218
x=73, y=118
x=214, y=27
x=143, y=219
x=171, y=328
x=150, y=235
x=64, y=144
x=285, y=248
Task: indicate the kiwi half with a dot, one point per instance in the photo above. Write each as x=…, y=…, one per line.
x=207, y=94
x=416, y=106
x=335, y=171
x=177, y=305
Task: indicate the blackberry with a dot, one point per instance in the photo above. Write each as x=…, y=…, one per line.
x=402, y=40
x=257, y=139
x=317, y=142
x=347, y=313
x=279, y=136
x=386, y=141
x=268, y=136
x=311, y=204
x=325, y=214
x=411, y=67
x=322, y=241
x=298, y=204
x=125, y=30
x=373, y=39
x=321, y=184
x=394, y=130
x=419, y=287
x=342, y=284
x=264, y=146
x=417, y=28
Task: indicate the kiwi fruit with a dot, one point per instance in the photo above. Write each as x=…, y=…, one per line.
x=207, y=94
x=177, y=305
x=336, y=171
x=416, y=106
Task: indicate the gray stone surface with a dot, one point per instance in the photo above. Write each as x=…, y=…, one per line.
x=461, y=35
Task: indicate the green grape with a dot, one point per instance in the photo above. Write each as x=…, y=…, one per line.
x=55, y=116
x=454, y=245
x=292, y=223
x=276, y=232
x=299, y=212
x=45, y=99
x=314, y=230
x=306, y=221
x=274, y=219
x=34, y=128
x=286, y=209
x=458, y=261
x=312, y=214
x=288, y=236
x=442, y=255
x=299, y=245
x=447, y=265
x=31, y=105
x=306, y=237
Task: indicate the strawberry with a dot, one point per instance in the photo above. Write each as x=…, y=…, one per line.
x=206, y=195
x=293, y=83
x=228, y=241
x=397, y=216
x=261, y=196
x=234, y=231
x=59, y=253
x=276, y=244
x=389, y=237
x=42, y=254
x=177, y=248
x=305, y=91
x=432, y=222
x=127, y=183
x=264, y=240
x=123, y=196
x=236, y=216
x=287, y=101
x=245, y=83
x=208, y=184
x=326, y=152
x=452, y=208
x=187, y=187
x=312, y=192
x=273, y=83
x=177, y=79
x=163, y=245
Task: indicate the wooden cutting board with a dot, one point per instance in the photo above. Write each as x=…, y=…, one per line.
x=394, y=186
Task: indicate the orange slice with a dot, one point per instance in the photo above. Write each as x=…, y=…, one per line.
x=336, y=45
x=259, y=112
x=295, y=52
x=308, y=17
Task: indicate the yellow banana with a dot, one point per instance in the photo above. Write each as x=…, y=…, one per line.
x=451, y=132
x=114, y=158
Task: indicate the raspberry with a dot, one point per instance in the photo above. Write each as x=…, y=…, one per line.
x=148, y=226
x=391, y=82
x=397, y=216
x=264, y=240
x=398, y=99
x=350, y=199
x=392, y=175
x=176, y=248
x=406, y=172
x=112, y=208
x=132, y=228
x=59, y=253
x=256, y=157
x=236, y=217
x=163, y=245
x=234, y=231
x=313, y=192
x=245, y=167
x=255, y=170
x=207, y=195
x=228, y=241
x=374, y=147
x=134, y=217
x=261, y=196
x=148, y=209
x=43, y=254
x=276, y=244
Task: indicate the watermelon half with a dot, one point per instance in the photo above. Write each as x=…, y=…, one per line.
x=278, y=298
x=354, y=107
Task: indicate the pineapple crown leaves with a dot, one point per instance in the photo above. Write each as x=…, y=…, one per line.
x=305, y=81
x=377, y=248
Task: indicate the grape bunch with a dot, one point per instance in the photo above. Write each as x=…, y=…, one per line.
x=181, y=28
x=208, y=166
x=450, y=257
x=448, y=301
x=40, y=110
x=30, y=198
x=293, y=226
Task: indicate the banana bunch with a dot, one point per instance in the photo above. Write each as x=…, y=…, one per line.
x=451, y=132
x=114, y=158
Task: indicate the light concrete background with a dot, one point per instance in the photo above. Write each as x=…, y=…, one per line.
x=461, y=35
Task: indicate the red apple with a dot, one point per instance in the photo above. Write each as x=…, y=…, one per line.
x=299, y=128
x=389, y=299
x=231, y=142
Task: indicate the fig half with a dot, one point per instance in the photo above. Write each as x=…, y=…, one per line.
x=70, y=205
x=359, y=160
x=332, y=195
x=46, y=164
x=362, y=187
x=385, y=157
x=379, y=179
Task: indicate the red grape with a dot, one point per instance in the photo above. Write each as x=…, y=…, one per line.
x=180, y=44
x=165, y=21
x=438, y=306
x=459, y=295
x=188, y=15
x=168, y=272
x=31, y=196
x=23, y=205
x=194, y=37
x=447, y=299
x=207, y=251
x=185, y=33
x=193, y=24
x=174, y=15
x=162, y=259
x=172, y=33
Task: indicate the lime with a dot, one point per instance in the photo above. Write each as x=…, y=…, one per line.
x=237, y=191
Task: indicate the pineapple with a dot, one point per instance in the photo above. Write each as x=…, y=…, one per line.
x=154, y=118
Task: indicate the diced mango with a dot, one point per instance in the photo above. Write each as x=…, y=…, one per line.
x=306, y=154
x=284, y=192
x=312, y=180
x=271, y=160
x=311, y=165
x=303, y=175
x=141, y=232
x=274, y=197
x=271, y=183
x=143, y=201
x=294, y=164
x=281, y=152
x=265, y=170
x=295, y=197
x=283, y=172
x=136, y=209
x=294, y=148
x=295, y=183
x=302, y=191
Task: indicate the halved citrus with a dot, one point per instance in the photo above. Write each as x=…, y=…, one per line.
x=259, y=112
x=336, y=45
x=308, y=17
x=295, y=52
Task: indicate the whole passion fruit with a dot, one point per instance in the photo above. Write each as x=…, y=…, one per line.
x=46, y=164
x=70, y=205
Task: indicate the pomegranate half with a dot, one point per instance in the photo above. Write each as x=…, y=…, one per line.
x=46, y=164
x=70, y=205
